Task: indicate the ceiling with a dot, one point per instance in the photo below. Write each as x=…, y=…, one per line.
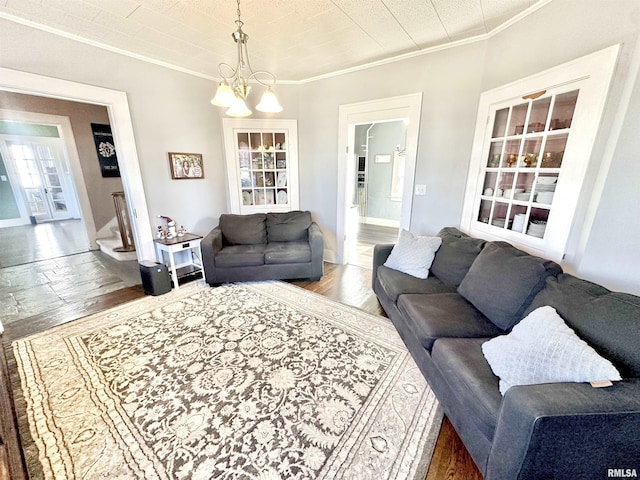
x=294, y=39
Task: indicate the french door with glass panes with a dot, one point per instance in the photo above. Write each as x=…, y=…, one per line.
x=262, y=165
x=39, y=167
x=530, y=155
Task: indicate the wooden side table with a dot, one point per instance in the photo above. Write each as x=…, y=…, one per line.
x=188, y=241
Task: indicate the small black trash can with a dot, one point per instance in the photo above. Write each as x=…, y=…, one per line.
x=155, y=278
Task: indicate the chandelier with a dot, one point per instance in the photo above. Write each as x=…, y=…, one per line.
x=234, y=88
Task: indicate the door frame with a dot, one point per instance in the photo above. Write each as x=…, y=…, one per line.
x=385, y=109
x=117, y=106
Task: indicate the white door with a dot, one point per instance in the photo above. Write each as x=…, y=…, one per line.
x=41, y=171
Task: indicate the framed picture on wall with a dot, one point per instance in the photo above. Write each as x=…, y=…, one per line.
x=186, y=165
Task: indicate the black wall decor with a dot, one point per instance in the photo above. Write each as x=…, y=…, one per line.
x=106, y=150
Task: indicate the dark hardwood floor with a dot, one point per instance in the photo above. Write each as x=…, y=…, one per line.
x=348, y=284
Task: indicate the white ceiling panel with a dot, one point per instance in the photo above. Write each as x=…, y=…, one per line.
x=295, y=39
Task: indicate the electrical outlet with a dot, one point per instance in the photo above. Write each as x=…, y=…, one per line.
x=421, y=190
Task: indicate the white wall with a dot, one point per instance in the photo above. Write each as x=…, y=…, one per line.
x=450, y=82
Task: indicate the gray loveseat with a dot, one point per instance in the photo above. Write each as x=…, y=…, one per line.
x=477, y=290
x=263, y=246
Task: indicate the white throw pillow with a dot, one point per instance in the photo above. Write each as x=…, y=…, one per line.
x=413, y=254
x=543, y=349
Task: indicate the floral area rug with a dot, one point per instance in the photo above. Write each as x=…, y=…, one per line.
x=258, y=381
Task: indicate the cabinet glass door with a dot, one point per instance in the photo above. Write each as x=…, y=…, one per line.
x=262, y=158
x=262, y=164
x=524, y=162
x=531, y=155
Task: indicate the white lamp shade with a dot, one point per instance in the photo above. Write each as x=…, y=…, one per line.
x=224, y=96
x=238, y=108
x=269, y=102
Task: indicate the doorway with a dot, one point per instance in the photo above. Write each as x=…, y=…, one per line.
x=400, y=160
x=120, y=120
x=380, y=153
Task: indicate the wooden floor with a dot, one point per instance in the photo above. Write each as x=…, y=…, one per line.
x=368, y=236
x=344, y=283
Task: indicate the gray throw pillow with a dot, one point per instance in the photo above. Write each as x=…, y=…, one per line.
x=503, y=280
x=413, y=254
x=543, y=349
x=288, y=226
x=455, y=255
x=243, y=229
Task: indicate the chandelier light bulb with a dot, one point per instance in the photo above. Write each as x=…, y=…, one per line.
x=238, y=108
x=269, y=102
x=224, y=96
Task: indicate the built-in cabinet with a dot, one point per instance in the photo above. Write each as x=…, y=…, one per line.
x=531, y=153
x=262, y=165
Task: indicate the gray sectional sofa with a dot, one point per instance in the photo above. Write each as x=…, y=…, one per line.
x=477, y=290
x=263, y=246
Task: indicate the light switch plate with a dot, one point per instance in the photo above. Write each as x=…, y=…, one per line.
x=421, y=190
x=3, y=178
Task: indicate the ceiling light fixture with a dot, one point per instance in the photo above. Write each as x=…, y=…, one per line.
x=234, y=88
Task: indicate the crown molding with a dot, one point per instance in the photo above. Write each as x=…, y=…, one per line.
x=364, y=66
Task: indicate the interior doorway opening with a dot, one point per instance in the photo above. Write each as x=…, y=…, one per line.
x=380, y=153
x=395, y=189
x=122, y=127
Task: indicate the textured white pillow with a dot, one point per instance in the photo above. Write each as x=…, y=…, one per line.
x=543, y=349
x=413, y=254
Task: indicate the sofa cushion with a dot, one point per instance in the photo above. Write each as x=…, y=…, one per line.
x=543, y=349
x=455, y=255
x=472, y=385
x=441, y=315
x=503, y=280
x=395, y=283
x=243, y=229
x=240, y=256
x=413, y=254
x=287, y=252
x=606, y=320
x=288, y=226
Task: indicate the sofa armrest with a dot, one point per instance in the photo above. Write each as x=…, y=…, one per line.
x=566, y=430
x=316, y=242
x=380, y=254
x=210, y=245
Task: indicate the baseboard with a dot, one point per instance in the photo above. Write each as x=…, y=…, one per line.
x=329, y=256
